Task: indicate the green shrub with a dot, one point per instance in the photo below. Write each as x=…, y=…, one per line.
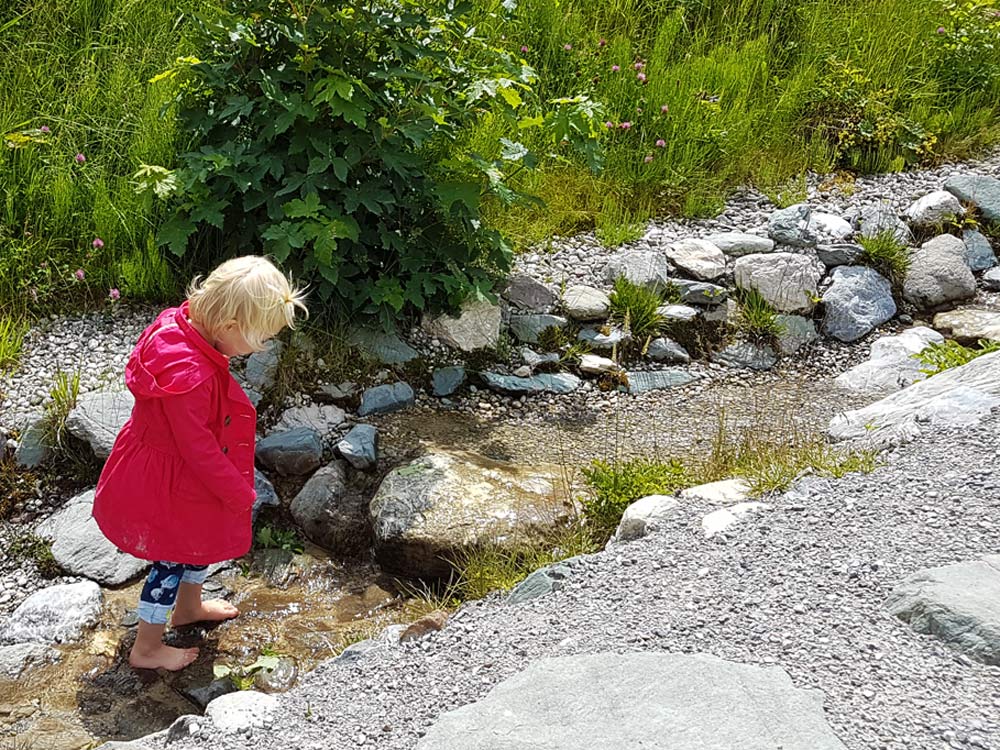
x=758, y=319
x=966, y=43
x=940, y=357
x=887, y=255
x=615, y=486
x=327, y=131
x=269, y=537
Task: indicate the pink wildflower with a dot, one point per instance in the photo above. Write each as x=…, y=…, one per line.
x=80, y=158
x=98, y=243
x=626, y=125
x=941, y=30
x=609, y=124
x=45, y=129
x=79, y=274
x=567, y=47
x=615, y=68
x=639, y=65
x=524, y=48
x=660, y=143
x=114, y=294
x=641, y=77
x=665, y=108
x=649, y=158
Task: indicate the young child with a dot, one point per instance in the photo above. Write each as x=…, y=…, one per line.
x=178, y=488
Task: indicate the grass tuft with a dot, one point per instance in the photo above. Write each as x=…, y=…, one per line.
x=940, y=357
x=887, y=255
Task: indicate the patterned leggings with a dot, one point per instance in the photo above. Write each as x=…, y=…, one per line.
x=160, y=591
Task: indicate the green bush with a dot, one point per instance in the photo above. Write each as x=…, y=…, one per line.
x=941, y=357
x=615, y=486
x=887, y=255
x=328, y=131
x=758, y=319
x=635, y=309
x=967, y=43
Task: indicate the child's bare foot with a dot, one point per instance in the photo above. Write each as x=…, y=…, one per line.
x=162, y=657
x=214, y=610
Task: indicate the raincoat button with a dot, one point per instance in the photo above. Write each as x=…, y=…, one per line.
x=227, y=420
x=225, y=449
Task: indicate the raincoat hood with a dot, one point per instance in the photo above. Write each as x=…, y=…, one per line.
x=171, y=358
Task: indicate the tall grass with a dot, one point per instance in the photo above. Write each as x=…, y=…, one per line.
x=739, y=80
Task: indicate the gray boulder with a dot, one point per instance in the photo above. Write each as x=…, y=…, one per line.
x=385, y=347
x=23, y=657
x=829, y=227
x=839, y=253
x=658, y=380
x=81, y=549
x=429, y=511
x=790, y=226
x=384, y=399
x=528, y=294
x=57, y=614
x=960, y=604
x=934, y=209
x=796, y=332
x=541, y=582
x=787, y=281
x=613, y=701
x=322, y=419
x=697, y=258
x=969, y=324
x=597, y=340
x=979, y=253
x=527, y=328
x=667, y=351
x=295, y=452
x=699, y=292
x=262, y=366
x=891, y=364
x=882, y=219
x=476, y=327
x=980, y=190
x=746, y=354
x=735, y=244
x=447, y=380
x=235, y=713
x=32, y=450
x=938, y=274
x=98, y=417
x=858, y=300
x=592, y=364
x=562, y=382
x=682, y=313
x=360, y=446
x=644, y=516
x=266, y=496
x=646, y=268
x=329, y=514
x=586, y=303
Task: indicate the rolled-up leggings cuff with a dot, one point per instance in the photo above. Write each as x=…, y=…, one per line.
x=160, y=590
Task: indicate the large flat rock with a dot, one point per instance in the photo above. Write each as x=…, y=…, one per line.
x=959, y=396
x=57, y=614
x=639, y=700
x=960, y=604
x=98, y=417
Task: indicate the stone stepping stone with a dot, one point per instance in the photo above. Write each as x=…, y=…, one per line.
x=960, y=604
x=639, y=700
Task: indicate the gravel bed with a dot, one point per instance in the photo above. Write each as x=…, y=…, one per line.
x=800, y=586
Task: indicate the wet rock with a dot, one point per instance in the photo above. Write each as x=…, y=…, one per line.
x=606, y=701
x=882, y=219
x=81, y=549
x=384, y=399
x=360, y=447
x=787, y=281
x=323, y=419
x=205, y=694
x=991, y=280
x=839, y=254
x=476, y=327
x=32, y=450
x=934, y=209
x=858, y=300
x=384, y=347
x=586, y=303
x=938, y=274
x=960, y=604
x=644, y=516
x=981, y=191
x=667, y=351
x=528, y=294
x=429, y=623
x=329, y=514
x=748, y=355
x=562, y=382
x=263, y=366
x=735, y=244
x=527, y=328
x=184, y=727
x=645, y=268
x=796, y=332
x=698, y=258
x=790, y=226
x=291, y=453
x=276, y=566
x=447, y=380
x=722, y=520
x=242, y=710
x=57, y=614
x=891, y=364
x=266, y=496
x=429, y=511
x=541, y=582
x=23, y=657
x=279, y=678
x=969, y=325
x=644, y=381
x=979, y=253
x=98, y=417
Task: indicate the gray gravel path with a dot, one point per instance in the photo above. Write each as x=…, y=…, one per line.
x=801, y=586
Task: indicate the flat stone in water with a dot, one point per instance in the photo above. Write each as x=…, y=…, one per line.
x=641, y=382
x=639, y=700
x=960, y=604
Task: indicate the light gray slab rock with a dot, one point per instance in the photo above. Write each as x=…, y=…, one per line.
x=562, y=382
x=735, y=244
x=788, y=281
x=726, y=491
x=979, y=254
x=23, y=657
x=982, y=191
x=642, y=382
x=529, y=294
x=938, y=274
x=98, y=418
x=80, y=548
x=858, y=300
x=829, y=227
x=960, y=604
x=839, y=253
x=644, y=516
x=382, y=346
x=698, y=258
x=598, y=340
x=722, y=520
x=245, y=709
x=969, y=324
x=594, y=365
x=667, y=351
x=477, y=326
x=527, y=328
x=748, y=355
x=646, y=268
x=639, y=700
x=796, y=332
x=891, y=364
x=57, y=614
x=586, y=303
x=683, y=313
x=323, y=419
x=790, y=226
x=882, y=219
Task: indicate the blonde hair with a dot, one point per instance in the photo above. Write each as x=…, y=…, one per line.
x=251, y=291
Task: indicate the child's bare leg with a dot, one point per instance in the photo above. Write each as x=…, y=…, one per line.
x=189, y=606
x=149, y=651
